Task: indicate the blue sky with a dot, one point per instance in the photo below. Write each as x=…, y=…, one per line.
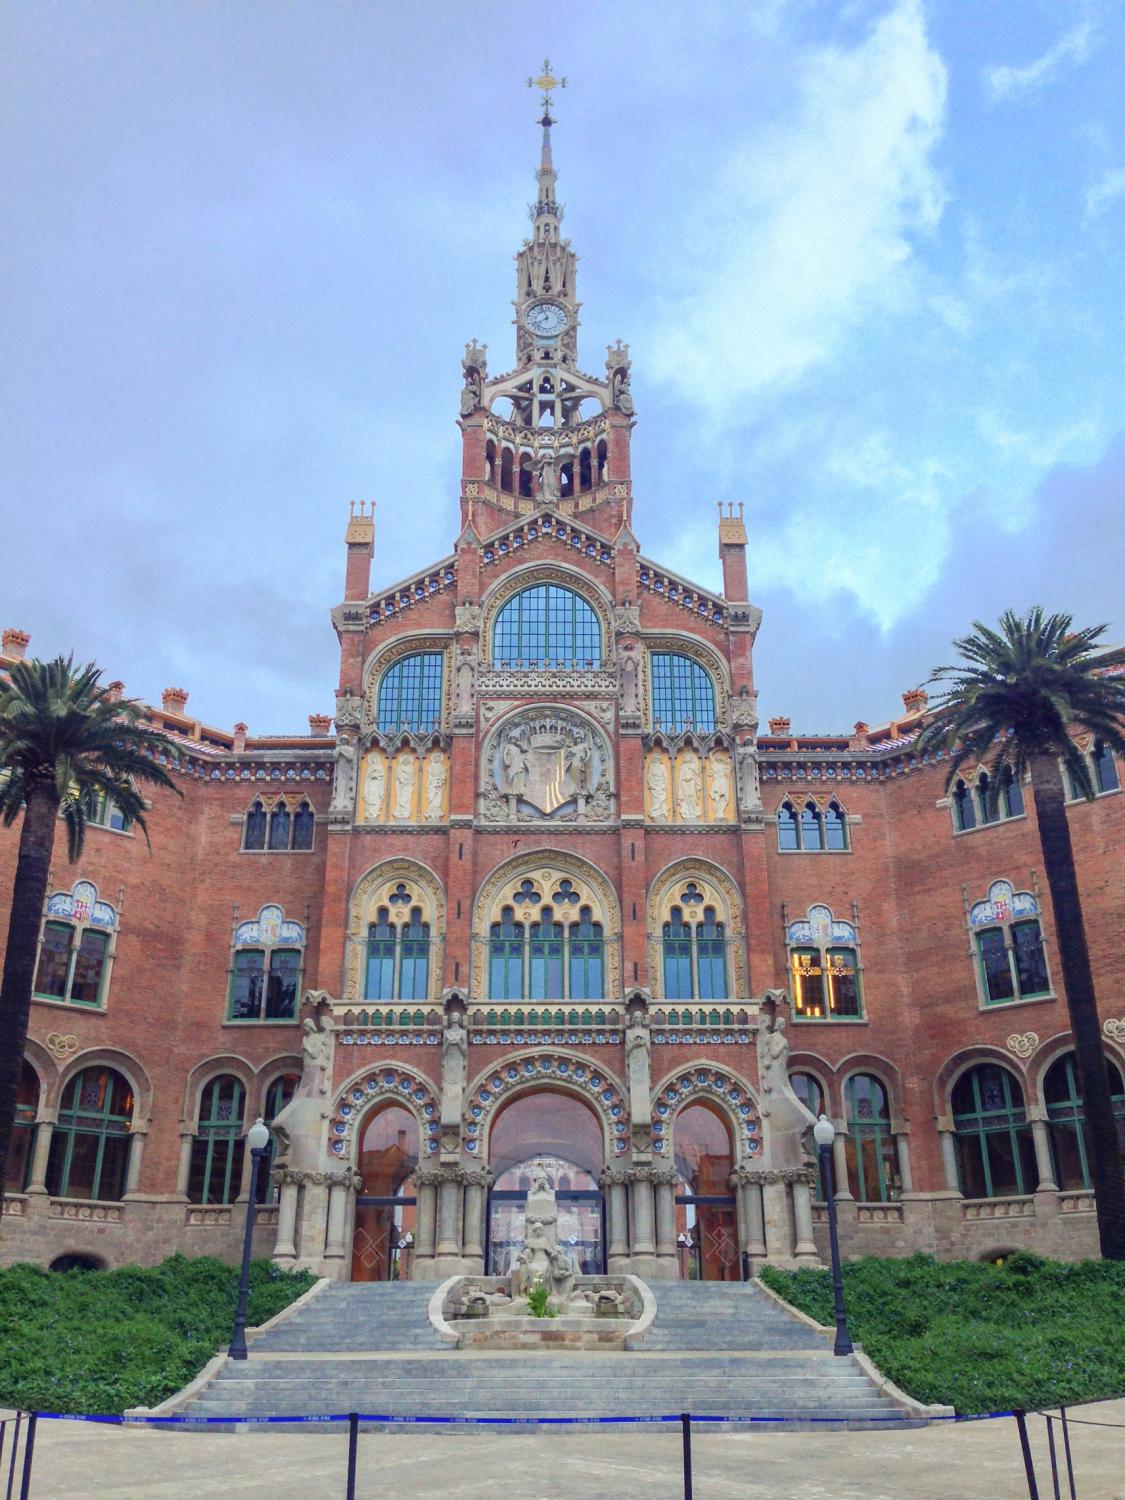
x=869, y=258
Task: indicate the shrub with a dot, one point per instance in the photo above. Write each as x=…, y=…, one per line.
x=83, y=1341
x=1031, y=1333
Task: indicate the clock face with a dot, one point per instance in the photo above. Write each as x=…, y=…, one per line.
x=546, y=319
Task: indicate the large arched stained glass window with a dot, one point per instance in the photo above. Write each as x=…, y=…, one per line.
x=547, y=626
x=682, y=693
x=90, y=1144
x=410, y=694
x=995, y=1150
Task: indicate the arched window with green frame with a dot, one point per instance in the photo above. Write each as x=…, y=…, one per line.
x=1066, y=1120
x=683, y=695
x=90, y=1144
x=547, y=625
x=398, y=955
x=215, y=1175
x=993, y=1140
x=410, y=694
x=869, y=1144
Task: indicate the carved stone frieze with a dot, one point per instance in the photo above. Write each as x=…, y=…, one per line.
x=467, y=618
x=746, y=1176
x=338, y=1177
x=627, y=619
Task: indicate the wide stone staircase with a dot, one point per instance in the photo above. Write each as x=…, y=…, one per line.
x=715, y=1349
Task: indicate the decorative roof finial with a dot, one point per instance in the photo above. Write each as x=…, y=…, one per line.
x=548, y=83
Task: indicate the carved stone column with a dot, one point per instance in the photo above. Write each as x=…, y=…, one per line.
x=751, y=1219
x=340, y=1186
x=427, y=1220
x=44, y=1131
x=287, y=1194
x=643, y=1249
x=949, y=1157
x=477, y=1180
x=664, y=1182
x=614, y=1183
x=136, y=1155
x=906, y=1176
x=450, y=1191
x=183, y=1169
x=1043, y=1162
x=840, y=1165
x=805, y=1249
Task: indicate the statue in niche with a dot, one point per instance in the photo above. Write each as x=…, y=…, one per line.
x=622, y=396
x=513, y=769
x=454, y=1069
x=638, y=1071
x=374, y=786
x=316, y=1057
x=749, y=785
x=689, y=788
x=343, y=778
x=630, y=682
x=577, y=766
x=658, y=787
x=405, y=768
x=463, y=679
x=548, y=479
x=775, y=1056
x=436, y=777
x=719, y=790
x=470, y=393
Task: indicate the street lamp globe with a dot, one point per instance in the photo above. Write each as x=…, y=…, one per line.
x=258, y=1135
x=824, y=1132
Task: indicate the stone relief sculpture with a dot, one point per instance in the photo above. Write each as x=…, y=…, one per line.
x=374, y=786
x=405, y=774
x=786, y=1121
x=436, y=778
x=718, y=791
x=463, y=678
x=547, y=765
x=343, y=778
x=548, y=479
x=630, y=682
x=658, y=788
x=689, y=788
x=454, y=1072
x=300, y=1126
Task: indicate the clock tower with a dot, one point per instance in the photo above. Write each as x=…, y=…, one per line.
x=546, y=433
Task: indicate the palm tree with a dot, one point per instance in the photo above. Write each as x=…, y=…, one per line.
x=65, y=741
x=1016, y=700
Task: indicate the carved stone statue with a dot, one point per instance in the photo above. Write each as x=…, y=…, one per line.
x=785, y=1120
x=374, y=786
x=749, y=785
x=548, y=479
x=463, y=681
x=541, y=1262
x=343, y=778
x=454, y=1070
x=622, y=396
x=513, y=769
x=658, y=788
x=405, y=770
x=718, y=793
x=436, y=777
x=630, y=683
x=578, y=759
x=638, y=1071
x=316, y=1057
x=470, y=393
x=689, y=788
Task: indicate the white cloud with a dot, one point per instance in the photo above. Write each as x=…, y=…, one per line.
x=804, y=230
x=1074, y=47
x=1106, y=190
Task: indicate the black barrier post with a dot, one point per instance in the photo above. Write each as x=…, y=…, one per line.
x=685, y=1423
x=12, y=1459
x=1028, y=1464
x=1053, y=1455
x=353, y=1447
x=1069, y=1460
x=28, y=1455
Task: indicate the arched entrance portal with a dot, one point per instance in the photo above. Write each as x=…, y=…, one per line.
x=706, y=1222
x=383, y=1244
x=564, y=1136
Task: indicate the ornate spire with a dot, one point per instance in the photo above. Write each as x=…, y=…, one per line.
x=547, y=82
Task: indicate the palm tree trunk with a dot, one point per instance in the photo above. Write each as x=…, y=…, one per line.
x=33, y=867
x=1101, y=1128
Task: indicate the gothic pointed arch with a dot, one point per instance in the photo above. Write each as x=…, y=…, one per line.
x=547, y=879
x=693, y=888
x=389, y=1083
x=410, y=894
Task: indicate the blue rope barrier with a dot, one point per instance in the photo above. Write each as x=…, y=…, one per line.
x=398, y=1420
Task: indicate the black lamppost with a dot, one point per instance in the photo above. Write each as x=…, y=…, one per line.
x=824, y=1134
x=258, y=1139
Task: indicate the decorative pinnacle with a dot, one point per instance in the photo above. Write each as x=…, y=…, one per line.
x=548, y=83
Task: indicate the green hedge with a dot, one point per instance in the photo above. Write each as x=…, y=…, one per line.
x=101, y=1341
x=1030, y=1333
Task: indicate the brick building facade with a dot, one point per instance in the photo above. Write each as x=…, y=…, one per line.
x=544, y=893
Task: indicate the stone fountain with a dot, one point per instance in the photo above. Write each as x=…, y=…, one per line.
x=582, y=1311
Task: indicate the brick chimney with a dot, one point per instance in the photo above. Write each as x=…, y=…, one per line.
x=859, y=735
x=174, y=700
x=114, y=692
x=781, y=726
x=240, y=731
x=319, y=725
x=914, y=700
x=15, y=643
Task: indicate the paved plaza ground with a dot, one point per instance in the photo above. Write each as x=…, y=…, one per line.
x=77, y=1462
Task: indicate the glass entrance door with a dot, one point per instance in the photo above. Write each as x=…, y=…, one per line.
x=707, y=1238
x=383, y=1245
x=581, y=1228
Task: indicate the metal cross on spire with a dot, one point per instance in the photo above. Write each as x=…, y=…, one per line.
x=548, y=83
